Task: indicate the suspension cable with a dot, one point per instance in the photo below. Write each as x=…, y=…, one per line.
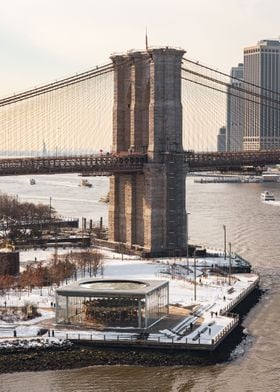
x=57, y=85
x=232, y=77
x=230, y=86
x=228, y=93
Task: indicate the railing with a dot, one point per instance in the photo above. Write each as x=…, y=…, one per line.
x=133, y=162
x=228, y=328
x=93, y=164
x=200, y=161
x=7, y=223
x=199, y=342
x=240, y=297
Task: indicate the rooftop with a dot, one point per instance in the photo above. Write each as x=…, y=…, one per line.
x=111, y=288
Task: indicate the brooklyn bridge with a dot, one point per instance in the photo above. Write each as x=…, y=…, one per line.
x=146, y=119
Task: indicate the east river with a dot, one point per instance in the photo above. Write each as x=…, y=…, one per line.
x=252, y=228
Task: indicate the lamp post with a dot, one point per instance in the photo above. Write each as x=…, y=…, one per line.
x=50, y=208
x=194, y=261
x=225, y=241
x=187, y=227
x=229, y=269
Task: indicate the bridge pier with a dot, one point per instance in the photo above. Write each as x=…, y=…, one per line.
x=147, y=210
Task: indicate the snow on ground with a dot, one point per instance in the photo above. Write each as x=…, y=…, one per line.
x=214, y=296
x=41, y=298
x=35, y=343
x=35, y=255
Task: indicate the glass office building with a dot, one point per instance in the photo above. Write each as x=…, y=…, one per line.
x=261, y=112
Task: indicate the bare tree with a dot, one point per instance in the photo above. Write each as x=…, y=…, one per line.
x=87, y=262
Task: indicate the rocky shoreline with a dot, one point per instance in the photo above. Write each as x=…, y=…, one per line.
x=82, y=355
x=78, y=355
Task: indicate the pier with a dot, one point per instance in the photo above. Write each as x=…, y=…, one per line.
x=201, y=308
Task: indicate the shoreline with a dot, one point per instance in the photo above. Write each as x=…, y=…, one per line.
x=82, y=354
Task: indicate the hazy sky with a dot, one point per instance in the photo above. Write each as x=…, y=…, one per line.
x=41, y=40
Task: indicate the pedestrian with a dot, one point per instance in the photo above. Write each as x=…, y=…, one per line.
x=216, y=314
x=224, y=298
x=51, y=304
x=191, y=326
x=211, y=314
x=209, y=331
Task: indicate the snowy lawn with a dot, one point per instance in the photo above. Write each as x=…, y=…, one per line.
x=214, y=294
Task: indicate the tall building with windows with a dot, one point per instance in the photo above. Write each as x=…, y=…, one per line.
x=262, y=117
x=221, y=140
x=235, y=111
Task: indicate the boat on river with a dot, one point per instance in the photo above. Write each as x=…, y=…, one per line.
x=32, y=181
x=267, y=196
x=85, y=183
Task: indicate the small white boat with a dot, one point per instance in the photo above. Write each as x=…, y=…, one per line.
x=267, y=196
x=85, y=183
x=32, y=181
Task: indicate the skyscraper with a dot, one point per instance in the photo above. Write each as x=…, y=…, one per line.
x=235, y=111
x=221, y=140
x=262, y=117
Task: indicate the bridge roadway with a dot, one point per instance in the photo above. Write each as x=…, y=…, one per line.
x=102, y=165
x=230, y=161
x=105, y=165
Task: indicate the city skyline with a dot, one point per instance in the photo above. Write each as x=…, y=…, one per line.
x=42, y=42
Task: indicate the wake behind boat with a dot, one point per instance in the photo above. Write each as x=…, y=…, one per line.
x=267, y=196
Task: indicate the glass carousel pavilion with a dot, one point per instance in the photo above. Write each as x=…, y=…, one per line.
x=114, y=303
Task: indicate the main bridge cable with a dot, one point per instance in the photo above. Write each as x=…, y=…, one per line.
x=98, y=71
x=230, y=76
x=57, y=85
x=229, y=93
x=241, y=93
x=231, y=86
x=256, y=115
x=57, y=124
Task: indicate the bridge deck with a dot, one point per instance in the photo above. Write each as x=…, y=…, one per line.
x=133, y=162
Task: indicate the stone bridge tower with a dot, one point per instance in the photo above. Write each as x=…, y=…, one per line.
x=147, y=210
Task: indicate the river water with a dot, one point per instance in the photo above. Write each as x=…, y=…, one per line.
x=252, y=227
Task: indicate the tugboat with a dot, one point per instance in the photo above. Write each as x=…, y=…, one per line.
x=85, y=183
x=32, y=181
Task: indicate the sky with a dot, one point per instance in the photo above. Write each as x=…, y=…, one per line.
x=44, y=40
